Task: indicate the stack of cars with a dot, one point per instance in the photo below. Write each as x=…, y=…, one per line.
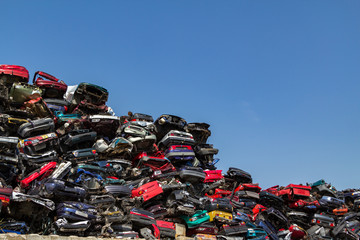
x=69, y=166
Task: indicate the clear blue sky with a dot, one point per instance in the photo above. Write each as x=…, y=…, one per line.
x=277, y=80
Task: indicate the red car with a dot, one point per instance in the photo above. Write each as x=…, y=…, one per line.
x=51, y=86
x=13, y=73
x=158, y=163
x=253, y=187
x=273, y=190
x=213, y=176
x=295, y=192
x=167, y=229
x=147, y=191
x=219, y=193
x=38, y=174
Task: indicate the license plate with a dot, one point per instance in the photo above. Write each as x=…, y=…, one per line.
x=82, y=214
x=40, y=147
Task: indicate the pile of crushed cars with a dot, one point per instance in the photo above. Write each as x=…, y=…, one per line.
x=69, y=166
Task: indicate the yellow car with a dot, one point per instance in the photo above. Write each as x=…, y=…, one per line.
x=205, y=237
x=220, y=216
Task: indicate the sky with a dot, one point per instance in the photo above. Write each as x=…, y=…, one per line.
x=278, y=81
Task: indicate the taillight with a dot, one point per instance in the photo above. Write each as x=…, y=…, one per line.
x=318, y=221
x=192, y=219
x=93, y=151
x=112, y=177
x=332, y=224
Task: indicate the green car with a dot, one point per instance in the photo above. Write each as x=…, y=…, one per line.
x=199, y=217
x=90, y=92
x=322, y=188
x=62, y=117
x=256, y=233
x=22, y=92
